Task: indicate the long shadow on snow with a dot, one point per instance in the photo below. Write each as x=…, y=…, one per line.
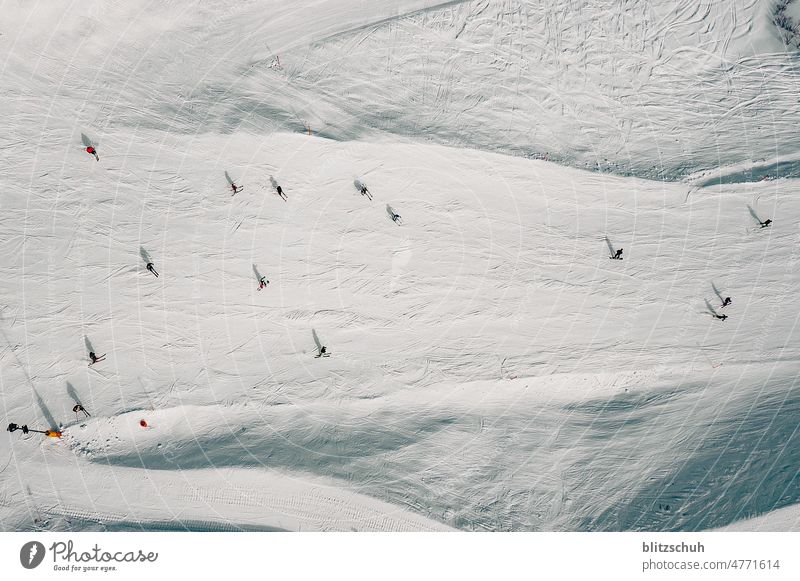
x=321, y=448
x=742, y=461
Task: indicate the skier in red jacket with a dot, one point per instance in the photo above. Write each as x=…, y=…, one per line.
x=92, y=151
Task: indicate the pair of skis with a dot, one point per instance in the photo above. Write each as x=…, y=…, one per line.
x=98, y=359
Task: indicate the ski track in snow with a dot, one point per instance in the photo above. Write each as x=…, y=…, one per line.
x=491, y=369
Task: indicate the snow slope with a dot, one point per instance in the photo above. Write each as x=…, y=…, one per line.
x=491, y=368
x=665, y=90
x=780, y=520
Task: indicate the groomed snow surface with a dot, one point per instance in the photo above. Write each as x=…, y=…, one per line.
x=490, y=368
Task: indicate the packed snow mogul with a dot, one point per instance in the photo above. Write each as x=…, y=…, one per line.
x=92, y=151
x=152, y=269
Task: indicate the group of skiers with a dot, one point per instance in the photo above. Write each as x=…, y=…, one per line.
x=727, y=300
x=322, y=350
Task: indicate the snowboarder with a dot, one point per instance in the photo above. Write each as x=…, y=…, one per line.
x=236, y=189
x=283, y=196
x=726, y=302
x=152, y=268
x=92, y=151
x=79, y=408
x=617, y=255
x=766, y=223
x=721, y=317
x=323, y=352
x=262, y=283
x=95, y=358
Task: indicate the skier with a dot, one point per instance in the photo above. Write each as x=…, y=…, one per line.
x=262, y=283
x=365, y=192
x=617, y=255
x=396, y=217
x=726, y=302
x=323, y=351
x=95, y=358
x=281, y=194
x=79, y=408
x=92, y=151
x=766, y=223
x=25, y=430
x=236, y=189
x=152, y=268
x=721, y=317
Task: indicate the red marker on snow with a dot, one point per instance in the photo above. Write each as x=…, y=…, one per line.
x=143, y=423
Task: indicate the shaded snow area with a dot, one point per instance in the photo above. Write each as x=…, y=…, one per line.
x=488, y=366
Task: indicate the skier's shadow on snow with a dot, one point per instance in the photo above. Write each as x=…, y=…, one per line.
x=51, y=421
x=228, y=178
x=359, y=185
x=610, y=246
x=316, y=340
x=72, y=393
x=716, y=292
x=86, y=141
x=257, y=273
x=393, y=215
x=273, y=182
x=145, y=256
x=711, y=309
x=754, y=215
x=88, y=343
